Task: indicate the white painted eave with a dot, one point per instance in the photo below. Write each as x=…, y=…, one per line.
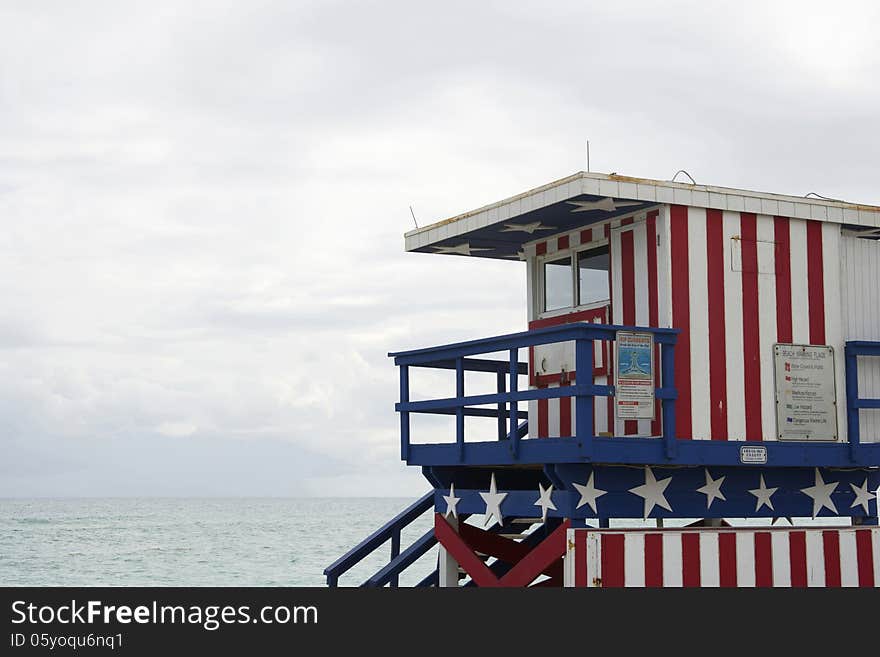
x=645, y=189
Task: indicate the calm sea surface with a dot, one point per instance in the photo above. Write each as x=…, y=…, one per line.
x=192, y=542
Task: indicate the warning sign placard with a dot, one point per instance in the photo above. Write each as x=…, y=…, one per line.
x=806, y=398
x=634, y=380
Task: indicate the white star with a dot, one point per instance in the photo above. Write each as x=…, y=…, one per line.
x=652, y=492
x=605, y=204
x=712, y=489
x=589, y=493
x=863, y=496
x=452, y=502
x=821, y=494
x=545, y=501
x=460, y=249
x=493, y=500
x=525, y=228
x=763, y=494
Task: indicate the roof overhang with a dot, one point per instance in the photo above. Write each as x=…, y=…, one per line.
x=500, y=230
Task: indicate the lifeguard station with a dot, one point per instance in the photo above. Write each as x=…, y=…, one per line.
x=692, y=352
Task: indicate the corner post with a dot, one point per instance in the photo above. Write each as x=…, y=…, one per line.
x=502, y=388
x=852, y=398
x=447, y=567
x=404, y=415
x=667, y=355
x=583, y=366
x=459, y=410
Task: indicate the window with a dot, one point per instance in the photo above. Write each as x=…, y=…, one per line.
x=593, y=267
x=558, y=284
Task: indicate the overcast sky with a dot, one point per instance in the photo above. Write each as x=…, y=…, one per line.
x=203, y=204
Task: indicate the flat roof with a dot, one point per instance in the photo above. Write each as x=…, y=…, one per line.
x=499, y=230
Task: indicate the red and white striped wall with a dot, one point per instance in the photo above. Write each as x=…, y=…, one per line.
x=826, y=557
x=735, y=283
x=738, y=284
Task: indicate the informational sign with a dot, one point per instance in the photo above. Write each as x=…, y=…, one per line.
x=806, y=399
x=753, y=454
x=634, y=384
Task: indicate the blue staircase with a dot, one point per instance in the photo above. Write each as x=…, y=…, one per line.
x=400, y=561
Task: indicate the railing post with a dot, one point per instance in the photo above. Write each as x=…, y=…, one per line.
x=394, y=582
x=459, y=411
x=502, y=388
x=667, y=356
x=514, y=406
x=852, y=397
x=583, y=366
x=404, y=415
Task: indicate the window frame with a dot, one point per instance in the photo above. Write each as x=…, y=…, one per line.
x=572, y=255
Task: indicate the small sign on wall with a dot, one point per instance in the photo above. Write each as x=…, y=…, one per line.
x=806, y=398
x=634, y=381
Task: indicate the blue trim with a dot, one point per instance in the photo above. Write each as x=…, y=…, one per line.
x=645, y=451
x=852, y=351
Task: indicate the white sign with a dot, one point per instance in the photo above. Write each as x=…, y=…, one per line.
x=634, y=385
x=806, y=399
x=753, y=454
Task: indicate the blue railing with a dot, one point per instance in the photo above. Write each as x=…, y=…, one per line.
x=508, y=395
x=399, y=561
x=854, y=403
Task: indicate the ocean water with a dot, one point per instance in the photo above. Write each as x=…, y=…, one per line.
x=194, y=542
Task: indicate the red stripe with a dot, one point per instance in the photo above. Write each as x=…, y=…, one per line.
x=565, y=415
x=628, y=287
x=681, y=317
x=654, y=560
x=751, y=332
x=580, y=558
x=865, y=557
x=763, y=560
x=653, y=310
x=543, y=418
x=717, y=339
x=797, y=556
x=540, y=248
x=612, y=560
x=562, y=242
x=815, y=282
x=727, y=559
x=782, y=258
x=831, y=543
x=690, y=560
x=586, y=236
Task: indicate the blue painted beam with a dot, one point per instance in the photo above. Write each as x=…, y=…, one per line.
x=403, y=561
x=642, y=451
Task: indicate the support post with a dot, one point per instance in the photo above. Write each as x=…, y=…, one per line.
x=394, y=582
x=514, y=406
x=584, y=402
x=852, y=396
x=667, y=355
x=502, y=421
x=447, y=568
x=404, y=415
x=459, y=412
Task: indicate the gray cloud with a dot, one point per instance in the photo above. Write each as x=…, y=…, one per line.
x=202, y=260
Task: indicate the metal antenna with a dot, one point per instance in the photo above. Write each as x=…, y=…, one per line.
x=693, y=182
x=588, y=156
x=413, y=216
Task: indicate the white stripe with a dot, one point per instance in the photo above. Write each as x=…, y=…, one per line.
x=672, y=560
x=780, y=555
x=710, y=574
x=745, y=559
x=875, y=541
x=634, y=559
x=533, y=417
x=615, y=426
x=553, y=416
x=800, y=305
x=699, y=322
x=767, y=322
x=640, y=259
x=664, y=269
x=815, y=559
x=594, y=558
x=833, y=317
x=849, y=558
x=600, y=407
x=733, y=329
x=573, y=406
